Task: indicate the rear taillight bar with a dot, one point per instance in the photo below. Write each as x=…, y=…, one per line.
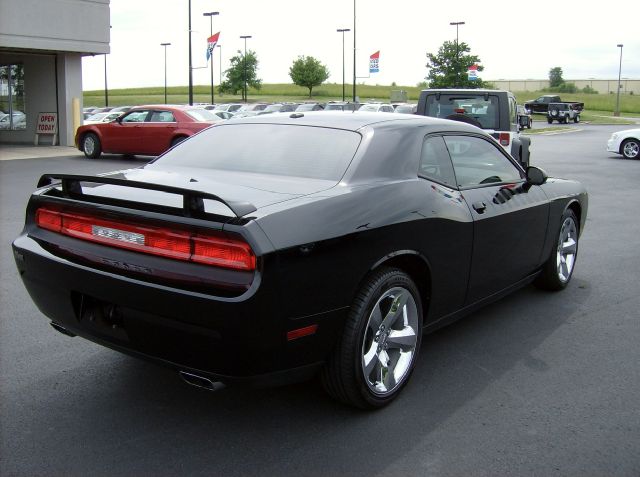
x=208, y=249
x=504, y=138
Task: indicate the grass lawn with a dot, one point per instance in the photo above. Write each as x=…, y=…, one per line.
x=596, y=105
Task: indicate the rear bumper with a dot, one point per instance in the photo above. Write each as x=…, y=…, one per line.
x=234, y=340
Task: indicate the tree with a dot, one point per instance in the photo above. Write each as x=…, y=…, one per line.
x=235, y=75
x=448, y=68
x=308, y=72
x=555, y=77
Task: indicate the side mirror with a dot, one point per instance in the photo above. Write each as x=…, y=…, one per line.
x=536, y=176
x=119, y=119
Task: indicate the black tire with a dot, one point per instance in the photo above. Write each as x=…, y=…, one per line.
x=554, y=276
x=91, y=146
x=566, y=119
x=529, y=123
x=630, y=148
x=344, y=376
x=177, y=140
x=550, y=121
x=576, y=119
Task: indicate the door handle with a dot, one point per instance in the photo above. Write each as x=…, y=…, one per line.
x=479, y=207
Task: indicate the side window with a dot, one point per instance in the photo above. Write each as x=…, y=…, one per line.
x=162, y=117
x=477, y=162
x=435, y=163
x=135, y=117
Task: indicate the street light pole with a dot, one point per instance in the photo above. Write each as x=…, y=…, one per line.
x=354, y=51
x=342, y=30
x=220, y=74
x=457, y=24
x=244, y=37
x=211, y=15
x=617, y=112
x=165, y=70
x=190, y=61
x=106, y=90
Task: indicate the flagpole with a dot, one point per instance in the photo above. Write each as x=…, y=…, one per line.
x=210, y=50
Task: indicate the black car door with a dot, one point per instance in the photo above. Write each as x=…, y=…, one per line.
x=510, y=216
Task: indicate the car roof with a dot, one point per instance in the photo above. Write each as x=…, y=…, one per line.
x=356, y=120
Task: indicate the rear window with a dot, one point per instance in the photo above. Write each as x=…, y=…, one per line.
x=485, y=111
x=277, y=149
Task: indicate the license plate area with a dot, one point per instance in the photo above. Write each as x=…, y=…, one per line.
x=101, y=317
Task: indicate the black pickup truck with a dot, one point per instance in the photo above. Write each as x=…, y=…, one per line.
x=541, y=104
x=495, y=111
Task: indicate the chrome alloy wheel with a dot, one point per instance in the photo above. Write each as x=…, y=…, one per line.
x=390, y=341
x=631, y=149
x=567, y=249
x=89, y=145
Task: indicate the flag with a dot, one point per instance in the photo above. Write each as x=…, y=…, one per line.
x=374, y=65
x=211, y=44
x=472, y=72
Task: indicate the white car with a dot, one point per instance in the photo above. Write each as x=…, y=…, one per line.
x=626, y=143
x=102, y=117
x=377, y=108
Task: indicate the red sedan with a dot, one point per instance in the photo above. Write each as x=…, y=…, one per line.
x=145, y=130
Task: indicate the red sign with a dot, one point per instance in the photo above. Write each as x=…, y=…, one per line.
x=47, y=123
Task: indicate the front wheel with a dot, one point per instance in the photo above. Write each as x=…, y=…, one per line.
x=558, y=269
x=630, y=148
x=377, y=351
x=576, y=119
x=550, y=121
x=91, y=146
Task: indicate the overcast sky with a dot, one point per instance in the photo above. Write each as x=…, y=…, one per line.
x=514, y=39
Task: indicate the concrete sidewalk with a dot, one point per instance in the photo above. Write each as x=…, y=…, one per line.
x=9, y=152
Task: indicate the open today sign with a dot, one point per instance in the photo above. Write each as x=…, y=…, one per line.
x=47, y=123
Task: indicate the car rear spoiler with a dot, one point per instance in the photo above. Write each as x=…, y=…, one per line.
x=192, y=200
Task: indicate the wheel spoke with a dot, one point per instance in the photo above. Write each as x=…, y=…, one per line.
x=397, y=309
x=404, y=339
x=371, y=360
x=569, y=247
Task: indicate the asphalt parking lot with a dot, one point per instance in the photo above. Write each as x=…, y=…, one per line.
x=536, y=384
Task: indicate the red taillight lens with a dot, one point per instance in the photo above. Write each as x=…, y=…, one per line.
x=49, y=220
x=223, y=253
x=504, y=138
x=179, y=245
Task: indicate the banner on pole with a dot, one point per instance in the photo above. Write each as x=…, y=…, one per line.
x=211, y=44
x=472, y=73
x=374, y=62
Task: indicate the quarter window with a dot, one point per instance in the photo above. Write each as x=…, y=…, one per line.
x=435, y=163
x=477, y=162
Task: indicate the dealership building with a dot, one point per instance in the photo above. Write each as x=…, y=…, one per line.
x=42, y=43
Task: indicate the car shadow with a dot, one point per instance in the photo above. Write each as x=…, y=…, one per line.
x=136, y=418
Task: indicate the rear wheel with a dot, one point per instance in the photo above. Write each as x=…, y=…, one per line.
x=630, y=148
x=576, y=119
x=558, y=269
x=550, y=121
x=91, y=146
x=377, y=351
x=566, y=119
x=529, y=123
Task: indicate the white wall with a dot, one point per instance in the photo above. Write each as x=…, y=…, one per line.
x=56, y=25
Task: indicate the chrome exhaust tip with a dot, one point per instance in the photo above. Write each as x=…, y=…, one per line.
x=200, y=381
x=61, y=329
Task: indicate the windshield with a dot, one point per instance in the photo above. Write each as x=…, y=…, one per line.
x=483, y=108
x=277, y=149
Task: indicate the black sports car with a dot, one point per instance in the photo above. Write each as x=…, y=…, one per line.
x=268, y=249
